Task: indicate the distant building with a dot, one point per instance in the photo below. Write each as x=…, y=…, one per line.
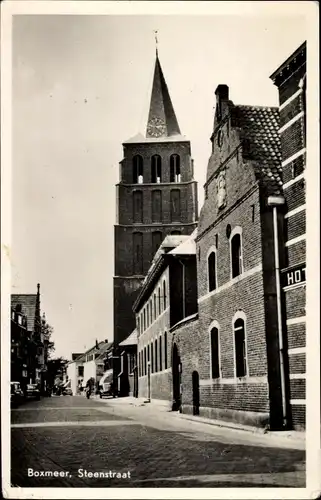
x=75, y=372
x=290, y=78
x=29, y=347
x=90, y=364
x=156, y=196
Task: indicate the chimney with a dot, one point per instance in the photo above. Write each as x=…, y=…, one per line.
x=222, y=96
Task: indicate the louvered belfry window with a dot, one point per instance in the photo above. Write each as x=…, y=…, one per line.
x=138, y=169
x=156, y=169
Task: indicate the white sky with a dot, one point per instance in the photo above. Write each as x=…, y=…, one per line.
x=81, y=86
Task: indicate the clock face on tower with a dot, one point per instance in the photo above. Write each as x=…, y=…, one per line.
x=156, y=127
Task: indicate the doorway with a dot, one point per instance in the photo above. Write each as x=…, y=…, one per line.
x=176, y=373
x=196, y=393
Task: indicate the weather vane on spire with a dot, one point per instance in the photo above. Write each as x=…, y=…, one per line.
x=156, y=41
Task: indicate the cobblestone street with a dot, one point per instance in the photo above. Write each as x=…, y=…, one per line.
x=157, y=448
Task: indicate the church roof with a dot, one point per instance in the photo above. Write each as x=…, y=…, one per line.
x=260, y=128
x=162, y=125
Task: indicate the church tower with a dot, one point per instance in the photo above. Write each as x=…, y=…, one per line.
x=156, y=196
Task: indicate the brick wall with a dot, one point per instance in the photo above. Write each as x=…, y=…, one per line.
x=293, y=140
x=241, y=401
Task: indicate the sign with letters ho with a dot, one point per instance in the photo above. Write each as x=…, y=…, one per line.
x=294, y=276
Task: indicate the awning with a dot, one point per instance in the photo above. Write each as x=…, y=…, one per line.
x=107, y=377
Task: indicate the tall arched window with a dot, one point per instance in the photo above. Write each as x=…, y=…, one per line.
x=138, y=253
x=211, y=269
x=148, y=353
x=157, y=237
x=151, y=311
x=156, y=354
x=156, y=205
x=175, y=205
x=145, y=361
x=147, y=315
x=156, y=169
x=138, y=167
x=144, y=312
x=138, y=325
x=175, y=168
x=155, y=306
x=138, y=206
x=236, y=252
x=165, y=350
x=240, y=348
x=160, y=354
x=215, y=353
x=164, y=295
x=159, y=301
x=152, y=357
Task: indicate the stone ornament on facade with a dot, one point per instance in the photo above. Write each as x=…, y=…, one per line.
x=221, y=190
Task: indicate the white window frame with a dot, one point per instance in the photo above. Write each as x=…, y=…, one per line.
x=240, y=315
x=212, y=249
x=236, y=230
x=215, y=324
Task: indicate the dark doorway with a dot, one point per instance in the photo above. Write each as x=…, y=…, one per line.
x=196, y=393
x=176, y=371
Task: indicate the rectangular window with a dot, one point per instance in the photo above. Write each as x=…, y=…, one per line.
x=80, y=371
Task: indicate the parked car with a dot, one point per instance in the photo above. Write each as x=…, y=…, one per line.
x=16, y=394
x=32, y=392
x=67, y=391
x=107, y=389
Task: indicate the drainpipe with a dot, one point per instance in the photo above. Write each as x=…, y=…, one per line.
x=274, y=202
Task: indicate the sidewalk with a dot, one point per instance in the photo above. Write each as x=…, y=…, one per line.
x=162, y=409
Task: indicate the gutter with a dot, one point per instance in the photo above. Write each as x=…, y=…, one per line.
x=275, y=202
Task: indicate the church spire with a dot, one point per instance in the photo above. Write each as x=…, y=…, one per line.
x=162, y=120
